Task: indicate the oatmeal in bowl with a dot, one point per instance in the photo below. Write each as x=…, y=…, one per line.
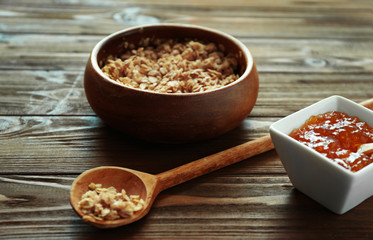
x=171, y=83
x=170, y=66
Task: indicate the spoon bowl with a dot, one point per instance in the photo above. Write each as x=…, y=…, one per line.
x=134, y=182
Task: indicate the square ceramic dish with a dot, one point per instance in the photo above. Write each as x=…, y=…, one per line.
x=320, y=178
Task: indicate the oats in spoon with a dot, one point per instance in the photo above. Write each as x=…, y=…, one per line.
x=108, y=204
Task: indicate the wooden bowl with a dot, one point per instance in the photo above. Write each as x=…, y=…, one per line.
x=170, y=117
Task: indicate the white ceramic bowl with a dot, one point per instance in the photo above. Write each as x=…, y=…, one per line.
x=320, y=178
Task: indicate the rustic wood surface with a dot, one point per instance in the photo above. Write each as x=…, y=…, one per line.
x=304, y=51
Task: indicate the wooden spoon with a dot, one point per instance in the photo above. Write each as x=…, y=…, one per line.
x=148, y=186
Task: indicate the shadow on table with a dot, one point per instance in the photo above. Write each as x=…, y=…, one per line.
x=117, y=149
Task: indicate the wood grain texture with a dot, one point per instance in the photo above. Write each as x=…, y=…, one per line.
x=60, y=92
x=304, y=51
x=293, y=19
x=79, y=143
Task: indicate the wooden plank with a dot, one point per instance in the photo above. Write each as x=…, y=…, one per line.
x=48, y=44
x=301, y=20
x=61, y=52
x=216, y=4
x=243, y=27
x=58, y=92
x=37, y=144
x=42, y=92
x=311, y=55
x=282, y=94
x=255, y=206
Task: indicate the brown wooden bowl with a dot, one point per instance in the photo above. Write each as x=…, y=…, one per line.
x=170, y=117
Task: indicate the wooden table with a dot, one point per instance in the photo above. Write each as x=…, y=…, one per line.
x=304, y=50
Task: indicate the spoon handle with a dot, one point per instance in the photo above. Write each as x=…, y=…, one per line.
x=368, y=103
x=214, y=162
x=219, y=160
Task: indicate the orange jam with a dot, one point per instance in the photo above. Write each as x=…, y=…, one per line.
x=337, y=136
